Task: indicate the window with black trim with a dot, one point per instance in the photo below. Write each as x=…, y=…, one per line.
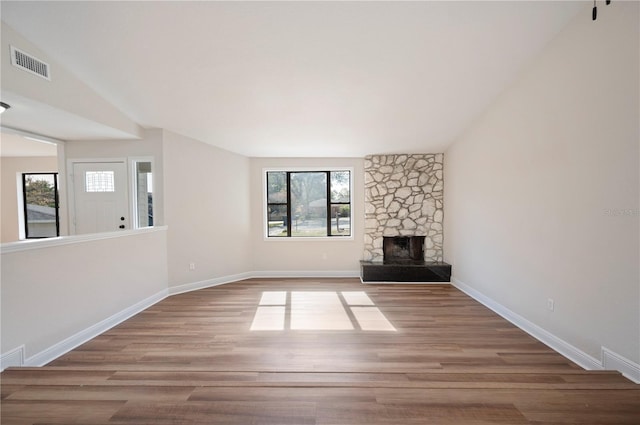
x=308, y=203
x=40, y=200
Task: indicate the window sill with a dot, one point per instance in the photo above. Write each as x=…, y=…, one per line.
x=310, y=238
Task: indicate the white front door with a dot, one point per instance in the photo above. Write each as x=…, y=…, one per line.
x=100, y=197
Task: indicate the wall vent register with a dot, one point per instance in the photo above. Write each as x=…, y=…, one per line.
x=29, y=63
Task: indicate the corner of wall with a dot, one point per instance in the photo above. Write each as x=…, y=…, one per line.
x=609, y=359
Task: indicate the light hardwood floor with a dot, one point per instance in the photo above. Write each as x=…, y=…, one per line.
x=192, y=359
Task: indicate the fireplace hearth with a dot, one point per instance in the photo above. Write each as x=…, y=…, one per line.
x=404, y=262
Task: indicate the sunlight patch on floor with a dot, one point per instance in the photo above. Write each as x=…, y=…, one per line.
x=273, y=298
x=357, y=298
x=268, y=319
x=371, y=319
x=319, y=310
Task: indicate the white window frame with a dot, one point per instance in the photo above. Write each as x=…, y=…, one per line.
x=133, y=189
x=265, y=225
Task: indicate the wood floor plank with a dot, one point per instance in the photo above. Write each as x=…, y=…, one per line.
x=192, y=359
x=423, y=413
x=102, y=392
x=20, y=412
x=219, y=412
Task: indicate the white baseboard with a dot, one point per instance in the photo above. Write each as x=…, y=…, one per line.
x=614, y=361
x=85, y=335
x=194, y=286
x=304, y=274
x=610, y=360
x=188, y=287
x=12, y=358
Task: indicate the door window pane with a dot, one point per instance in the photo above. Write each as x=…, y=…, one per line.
x=99, y=181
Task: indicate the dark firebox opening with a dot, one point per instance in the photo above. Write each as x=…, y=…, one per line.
x=399, y=248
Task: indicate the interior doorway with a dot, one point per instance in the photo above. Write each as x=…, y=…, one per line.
x=34, y=155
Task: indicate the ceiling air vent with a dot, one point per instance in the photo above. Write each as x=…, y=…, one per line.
x=26, y=62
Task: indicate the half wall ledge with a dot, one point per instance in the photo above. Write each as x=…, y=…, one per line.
x=405, y=271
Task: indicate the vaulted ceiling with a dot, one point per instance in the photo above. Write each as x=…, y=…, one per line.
x=298, y=78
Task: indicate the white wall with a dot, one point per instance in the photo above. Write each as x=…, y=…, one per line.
x=10, y=167
x=300, y=257
x=45, y=299
x=207, y=210
x=531, y=185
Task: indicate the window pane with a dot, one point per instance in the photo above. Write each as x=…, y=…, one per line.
x=144, y=194
x=277, y=187
x=277, y=220
x=340, y=186
x=309, y=204
x=99, y=181
x=341, y=220
x=40, y=205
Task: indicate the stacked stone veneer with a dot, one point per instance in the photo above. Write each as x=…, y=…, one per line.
x=403, y=197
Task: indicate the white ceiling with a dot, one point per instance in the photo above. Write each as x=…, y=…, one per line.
x=298, y=78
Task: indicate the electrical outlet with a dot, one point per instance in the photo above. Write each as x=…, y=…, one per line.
x=550, y=304
x=192, y=266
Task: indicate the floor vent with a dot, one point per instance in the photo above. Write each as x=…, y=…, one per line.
x=26, y=62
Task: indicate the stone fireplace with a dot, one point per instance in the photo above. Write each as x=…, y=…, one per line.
x=403, y=219
x=403, y=197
